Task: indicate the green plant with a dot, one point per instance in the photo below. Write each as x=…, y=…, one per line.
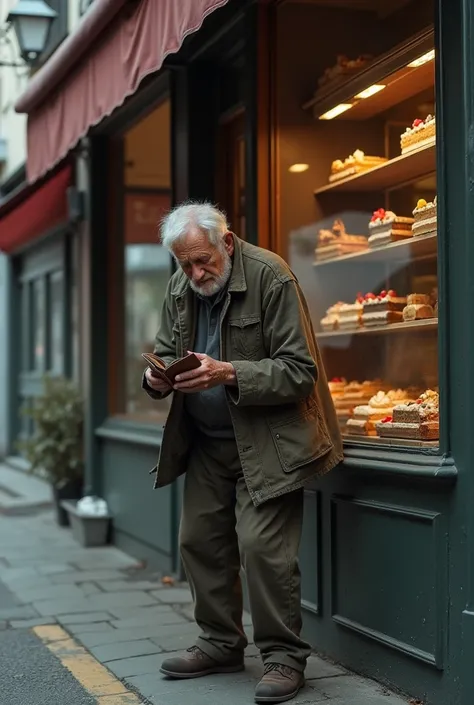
x=56, y=446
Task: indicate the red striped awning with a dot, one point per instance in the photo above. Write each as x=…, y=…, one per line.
x=117, y=44
x=34, y=211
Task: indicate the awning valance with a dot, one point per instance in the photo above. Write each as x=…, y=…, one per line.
x=34, y=211
x=117, y=44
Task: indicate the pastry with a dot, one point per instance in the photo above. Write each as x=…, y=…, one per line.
x=386, y=226
x=383, y=309
x=418, y=307
x=331, y=319
x=337, y=386
x=350, y=315
x=354, y=394
x=343, y=67
x=354, y=164
x=417, y=420
x=422, y=133
x=335, y=242
x=380, y=405
x=425, y=215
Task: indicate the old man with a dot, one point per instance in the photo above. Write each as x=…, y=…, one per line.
x=249, y=427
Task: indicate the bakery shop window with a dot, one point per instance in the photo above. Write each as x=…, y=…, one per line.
x=358, y=208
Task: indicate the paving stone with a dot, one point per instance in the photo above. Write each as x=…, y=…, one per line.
x=110, y=559
x=48, y=608
x=54, y=569
x=92, y=603
x=146, y=632
x=356, y=691
x=18, y=612
x=27, y=582
x=173, y=596
x=79, y=629
x=124, y=650
x=121, y=599
x=127, y=612
x=50, y=592
x=319, y=668
x=7, y=574
x=89, y=589
x=85, y=618
x=163, y=618
x=78, y=576
x=30, y=623
x=126, y=585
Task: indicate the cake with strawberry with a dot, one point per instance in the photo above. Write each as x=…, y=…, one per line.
x=422, y=133
x=419, y=307
x=336, y=242
x=425, y=217
x=382, y=309
x=363, y=422
x=355, y=163
x=386, y=226
x=415, y=420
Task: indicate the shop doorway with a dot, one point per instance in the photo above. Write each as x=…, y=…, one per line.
x=231, y=182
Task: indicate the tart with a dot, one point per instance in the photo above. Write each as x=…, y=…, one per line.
x=386, y=226
x=422, y=133
x=425, y=217
x=355, y=163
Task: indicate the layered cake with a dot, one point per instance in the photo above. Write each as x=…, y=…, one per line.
x=425, y=218
x=350, y=315
x=418, y=307
x=337, y=386
x=422, y=133
x=363, y=422
x=418, y=420
x=335, y=242
x=331, y=319
x=354, y=164
x=343, y=68
x=355, y=394
x=386, y=226
x=383, y=309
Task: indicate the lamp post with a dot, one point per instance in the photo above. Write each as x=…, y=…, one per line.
x=31, y=20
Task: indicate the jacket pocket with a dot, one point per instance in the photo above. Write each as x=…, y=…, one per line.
x=246, y=336
x=301, y=439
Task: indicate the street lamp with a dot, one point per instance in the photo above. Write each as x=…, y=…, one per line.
x=31, y=21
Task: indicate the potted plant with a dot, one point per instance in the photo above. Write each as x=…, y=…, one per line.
x=55, y=450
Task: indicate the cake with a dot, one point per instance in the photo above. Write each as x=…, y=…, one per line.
x=350, y=315
x=416, y=420
x=336, y=242
x=337, y=386
x=425, y=218
x=418, y=307
x=354, y=394
x=331, y=319
x=363, y=422
x=354, y=164
x=343, y=68
x=386, y=226
x=422, y=133
x=383, y=309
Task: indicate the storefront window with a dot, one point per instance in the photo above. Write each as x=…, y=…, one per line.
x=56, y=322
x=359, y=211
x=146, y=263
x=38, y=301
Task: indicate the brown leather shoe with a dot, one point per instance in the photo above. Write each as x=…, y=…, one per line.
x=279, y=683
x=194, y=663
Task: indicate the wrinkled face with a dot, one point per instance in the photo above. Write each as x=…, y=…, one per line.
x=208, y=267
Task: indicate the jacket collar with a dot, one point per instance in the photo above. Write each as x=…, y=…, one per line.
x=237, y=281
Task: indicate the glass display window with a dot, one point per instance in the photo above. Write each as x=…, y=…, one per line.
x=359, y=210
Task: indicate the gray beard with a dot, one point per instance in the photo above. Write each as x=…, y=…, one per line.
x=213, y=287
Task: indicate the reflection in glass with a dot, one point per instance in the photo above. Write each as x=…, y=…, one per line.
x=56, y=319
x=38, y=324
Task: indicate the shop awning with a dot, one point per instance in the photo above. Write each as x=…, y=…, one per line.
x=117, y=44
x=34, y=211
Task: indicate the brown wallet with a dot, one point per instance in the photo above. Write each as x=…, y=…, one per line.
x=169, y=372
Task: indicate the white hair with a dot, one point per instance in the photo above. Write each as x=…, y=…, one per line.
x=201, y=216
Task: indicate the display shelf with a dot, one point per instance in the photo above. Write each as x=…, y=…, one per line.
x=412, y=248
x=388, y=442
x=392, y=174
x=405, y=326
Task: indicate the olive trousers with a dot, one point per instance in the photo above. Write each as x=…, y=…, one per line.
x=221, y=530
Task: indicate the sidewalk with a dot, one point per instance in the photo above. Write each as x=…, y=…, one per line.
x=129, y=620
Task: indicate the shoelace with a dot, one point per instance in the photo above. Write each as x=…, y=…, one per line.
x=196, y=651
x=285, y=671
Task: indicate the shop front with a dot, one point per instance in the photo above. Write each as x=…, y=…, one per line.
x=337, y=134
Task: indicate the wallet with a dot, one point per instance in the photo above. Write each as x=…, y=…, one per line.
x=169, y=372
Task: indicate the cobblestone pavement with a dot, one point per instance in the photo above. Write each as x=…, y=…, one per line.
x=130, y=621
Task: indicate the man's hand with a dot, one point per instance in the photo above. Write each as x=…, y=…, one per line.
x=156, y=383
x=210, y=374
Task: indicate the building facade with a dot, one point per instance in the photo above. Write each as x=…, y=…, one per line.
x=306, y=121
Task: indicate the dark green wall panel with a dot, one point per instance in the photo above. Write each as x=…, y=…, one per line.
x=310, y=553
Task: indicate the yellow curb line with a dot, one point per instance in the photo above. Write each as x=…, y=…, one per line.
x=94, y=677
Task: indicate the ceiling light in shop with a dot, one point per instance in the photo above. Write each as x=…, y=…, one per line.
x=298, y=168
x=370, y=91
x=334, y=112
x=429, y=56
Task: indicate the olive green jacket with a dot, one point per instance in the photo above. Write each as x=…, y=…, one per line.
x=282, y=412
